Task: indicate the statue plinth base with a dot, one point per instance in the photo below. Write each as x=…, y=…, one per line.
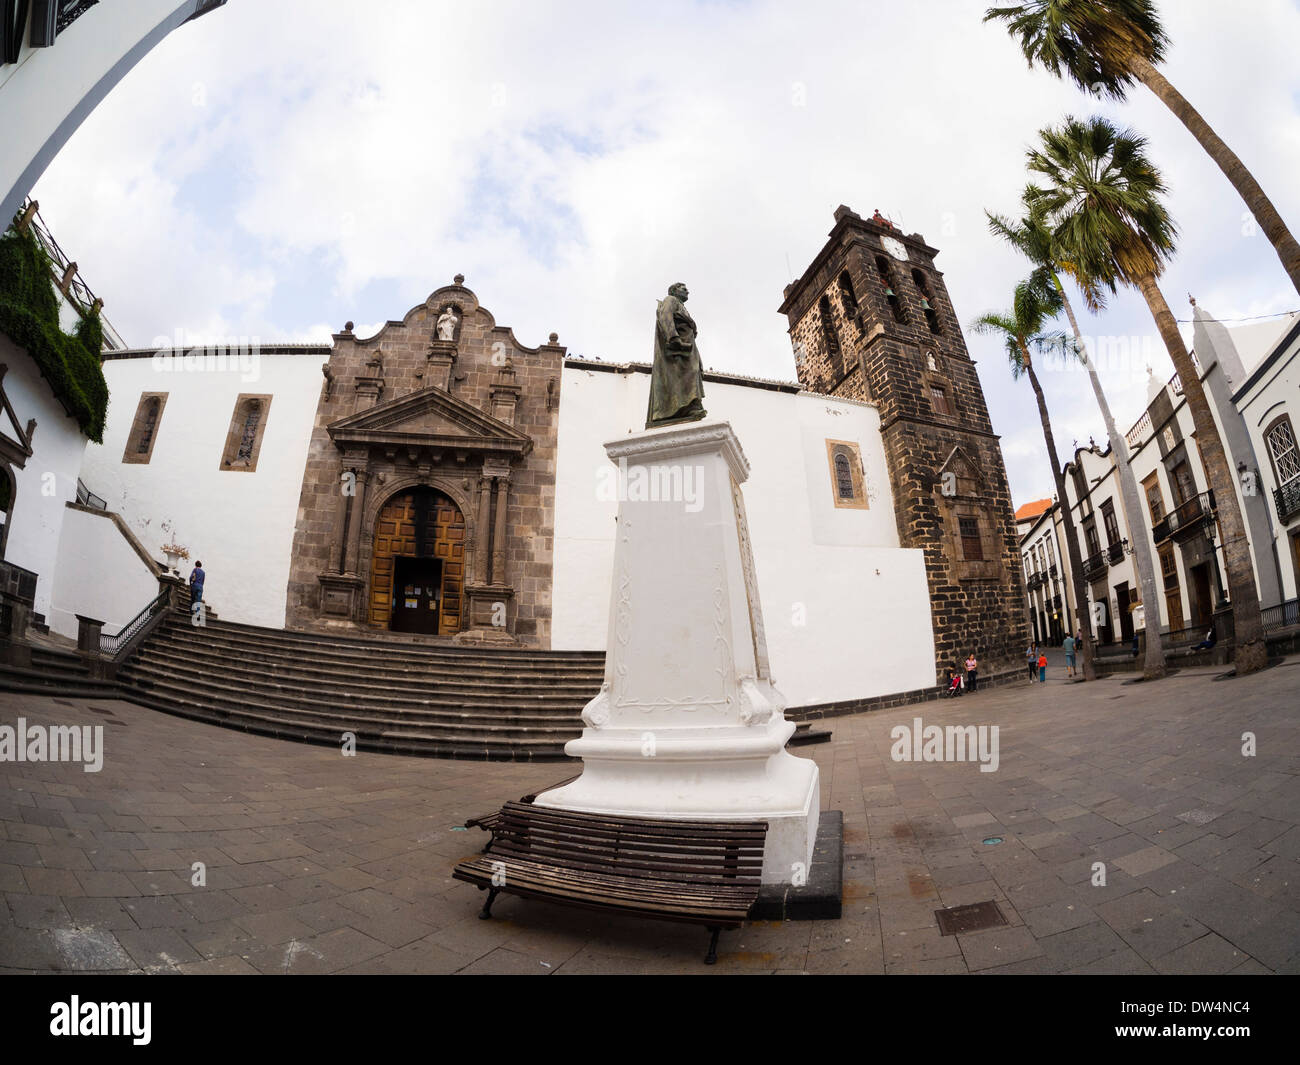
x=688, y=724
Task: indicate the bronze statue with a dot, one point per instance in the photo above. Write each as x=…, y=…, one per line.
x=677, y=379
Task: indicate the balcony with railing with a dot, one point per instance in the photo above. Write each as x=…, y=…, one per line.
x=1115, y=553
x=1035, y=581
x=1283, y=616
x=1095, y=566
x=1187, y=519
x=1287, y=500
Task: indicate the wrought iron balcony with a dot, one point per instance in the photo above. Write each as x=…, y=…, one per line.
x=1115, y=553
x=1035, y=581
x=1186, y=520
x=1095, y=565
x=1287, y=500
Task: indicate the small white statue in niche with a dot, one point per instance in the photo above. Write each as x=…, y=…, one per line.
x=930, y=363
x=447, y=322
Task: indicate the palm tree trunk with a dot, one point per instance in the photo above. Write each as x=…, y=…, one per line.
x=1270, y=221
x=1082, y=616
x=1154, y=663
x=1251, y=653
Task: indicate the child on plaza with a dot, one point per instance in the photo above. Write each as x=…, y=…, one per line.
x=1042, y=668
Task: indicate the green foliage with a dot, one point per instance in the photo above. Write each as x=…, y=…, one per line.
x=1091, y=42
x=29, y=315
x=1101, y=198
x=1036, y=302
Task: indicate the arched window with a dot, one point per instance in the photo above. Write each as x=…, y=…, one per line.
x=927, y=301
x=848, y=485
x=848, y=298
x=886, y=273
x=843, y=476
x=144, y=429
x=1282, y=450
x=145, y=442
x=1285, y=456
x=244, y=437
x=252, y=417
x=832, y=338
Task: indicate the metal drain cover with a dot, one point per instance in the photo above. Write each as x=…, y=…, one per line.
x=974, y=917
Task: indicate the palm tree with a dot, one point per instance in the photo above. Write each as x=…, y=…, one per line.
x=1102, y=204
x=1036, y=303
x=1032, y=239
x=1103, y=46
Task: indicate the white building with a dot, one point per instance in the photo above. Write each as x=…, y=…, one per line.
x=825, y=572
x=1250, y=375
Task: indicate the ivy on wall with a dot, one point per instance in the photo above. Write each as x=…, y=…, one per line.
x=29, y=315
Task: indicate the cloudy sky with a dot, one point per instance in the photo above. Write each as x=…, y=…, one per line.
x=277, y=168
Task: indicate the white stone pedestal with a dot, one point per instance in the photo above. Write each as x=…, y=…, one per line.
x=687, y=723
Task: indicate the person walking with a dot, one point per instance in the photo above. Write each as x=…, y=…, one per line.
x=972, y=668
x=1068, y=646
x=1031, y=661
x=1042, y=667
x=196, y=583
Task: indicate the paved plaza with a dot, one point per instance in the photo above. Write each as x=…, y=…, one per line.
x=319, y=863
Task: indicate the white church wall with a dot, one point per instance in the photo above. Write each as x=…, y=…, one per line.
x=846, y=609
x=98, y=574
x=49, y=478
x=240, y=524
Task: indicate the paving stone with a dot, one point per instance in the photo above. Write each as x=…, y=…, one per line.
x=998, y=946
x=1147, y=860
x=102, y=914
x=1209, y=954
x=355, y=866
x=157, y=949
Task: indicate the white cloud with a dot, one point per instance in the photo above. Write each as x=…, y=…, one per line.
x=271, y=167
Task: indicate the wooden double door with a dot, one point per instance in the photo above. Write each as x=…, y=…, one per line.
x=417, y=568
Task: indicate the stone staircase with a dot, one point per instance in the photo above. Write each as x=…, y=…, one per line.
x=393, y=695
x=55, y=672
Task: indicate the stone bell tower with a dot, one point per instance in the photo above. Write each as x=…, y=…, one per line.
x=870, y=319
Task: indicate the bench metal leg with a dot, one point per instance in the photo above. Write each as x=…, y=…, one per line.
x=712, y=956
x=486, y=912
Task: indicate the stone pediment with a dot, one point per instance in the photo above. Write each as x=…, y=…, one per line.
x=959, y=475
x=430, y=417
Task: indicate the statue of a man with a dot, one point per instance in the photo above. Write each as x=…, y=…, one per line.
x=447, y=322
x=676, y=380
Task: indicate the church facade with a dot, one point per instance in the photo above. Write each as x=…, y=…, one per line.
x=442, y=480
x=428, y=497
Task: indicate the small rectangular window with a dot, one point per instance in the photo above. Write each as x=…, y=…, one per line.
x=939, y=400
x=971, y=547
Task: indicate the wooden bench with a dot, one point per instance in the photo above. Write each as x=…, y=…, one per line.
x=489, y=822
x=692, y=872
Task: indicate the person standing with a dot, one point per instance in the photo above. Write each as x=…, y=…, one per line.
x=1042, y=667
x=972, y=669
x=1068, y=646
x=196, y=583
x=1031, y=660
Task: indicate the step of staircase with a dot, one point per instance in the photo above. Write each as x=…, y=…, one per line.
x=55, y=673
x=399, y=696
